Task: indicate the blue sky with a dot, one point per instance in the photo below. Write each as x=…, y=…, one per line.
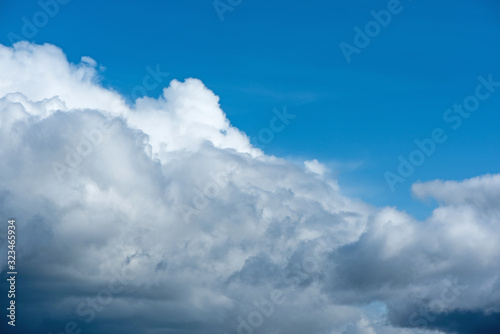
x=357, y=117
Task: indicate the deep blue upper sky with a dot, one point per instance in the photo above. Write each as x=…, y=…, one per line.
x=356, y=117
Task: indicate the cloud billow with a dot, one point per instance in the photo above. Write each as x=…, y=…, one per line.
x=161, y=217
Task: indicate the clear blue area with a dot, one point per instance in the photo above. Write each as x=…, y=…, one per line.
x=356, y=117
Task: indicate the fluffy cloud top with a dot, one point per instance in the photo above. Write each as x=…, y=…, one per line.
x=161, y=217
x=483, y=191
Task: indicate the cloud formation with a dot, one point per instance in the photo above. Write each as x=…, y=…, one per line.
x=161, y=217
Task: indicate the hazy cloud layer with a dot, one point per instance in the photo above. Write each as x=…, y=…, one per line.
x=162, y=218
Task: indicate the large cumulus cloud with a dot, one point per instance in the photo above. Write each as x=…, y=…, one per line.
x=161, y=217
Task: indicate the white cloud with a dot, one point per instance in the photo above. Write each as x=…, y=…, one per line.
x=482, y=191
x=314, y=166
x=207, y=224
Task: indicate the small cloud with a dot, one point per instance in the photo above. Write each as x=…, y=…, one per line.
x=89, y=61
x=314, y=166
